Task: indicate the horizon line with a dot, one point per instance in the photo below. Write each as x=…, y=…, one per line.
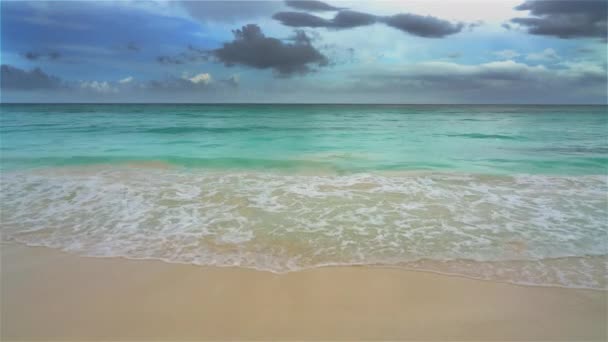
x=304, y=103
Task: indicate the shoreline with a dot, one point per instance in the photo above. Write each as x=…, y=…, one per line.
x=404, y=268
x=49, y=294
x=320, y=166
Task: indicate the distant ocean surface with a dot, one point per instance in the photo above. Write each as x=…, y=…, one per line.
x=509, y=193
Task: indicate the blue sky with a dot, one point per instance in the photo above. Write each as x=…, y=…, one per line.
x=426, y=51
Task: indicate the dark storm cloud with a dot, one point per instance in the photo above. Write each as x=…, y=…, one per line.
x=252, y=48
x=299, y=19
x=230, y=11
x=13, y=78
x=348, y=19
x=565, y=18
x=342, y=20
x=422, y=26
x=34, y=56
x=311, y=5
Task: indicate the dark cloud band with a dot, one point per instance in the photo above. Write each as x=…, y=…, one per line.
x=18, y=79
x=34, y=56
x=565, y=18
x=342, y=20
x=311, y=5
x=422, y=26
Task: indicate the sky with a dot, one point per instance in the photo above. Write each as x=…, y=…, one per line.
x=419, y=51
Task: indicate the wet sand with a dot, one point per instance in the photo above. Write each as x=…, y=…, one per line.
x=51, y=295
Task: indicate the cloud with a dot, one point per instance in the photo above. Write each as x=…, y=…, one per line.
x=191, y=55
x=450, y=74
x=201, y=82
x=252, y=48
x=507, y=54
x=299, y=19
x=545, y=55
x=203, y=78
x=492, y=71
x=501, y=81
x=566, y=18
x=342, y=20
x=38, y=82
x=422, y=26
x=98, y=87
x=34, y=56
x=454, y=55
x=126, y=80
x=13, y=78
x=348, y=19
x=173, y=84
x=311, y=5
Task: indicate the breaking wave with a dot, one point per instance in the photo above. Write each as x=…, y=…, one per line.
x=525, y=229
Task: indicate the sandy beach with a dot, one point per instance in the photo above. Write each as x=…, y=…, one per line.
x=51, y=295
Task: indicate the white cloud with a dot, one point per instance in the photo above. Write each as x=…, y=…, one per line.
x=96, y=86
x=202, y=78
x=126, y=80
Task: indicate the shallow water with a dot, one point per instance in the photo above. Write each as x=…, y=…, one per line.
x=516, y=194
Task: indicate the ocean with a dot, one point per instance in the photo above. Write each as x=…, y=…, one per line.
x=516, y=194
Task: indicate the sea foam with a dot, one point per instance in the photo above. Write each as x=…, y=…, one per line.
x=526, y=229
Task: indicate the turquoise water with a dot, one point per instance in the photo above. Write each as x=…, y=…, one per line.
x=481, y=139
x=507, y=193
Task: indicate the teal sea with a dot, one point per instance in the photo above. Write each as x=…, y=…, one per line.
x=340, y=138
x=509, y=193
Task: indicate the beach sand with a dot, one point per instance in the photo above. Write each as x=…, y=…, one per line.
x=51, y=295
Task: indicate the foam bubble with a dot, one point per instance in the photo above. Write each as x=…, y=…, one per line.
x=532, y=229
